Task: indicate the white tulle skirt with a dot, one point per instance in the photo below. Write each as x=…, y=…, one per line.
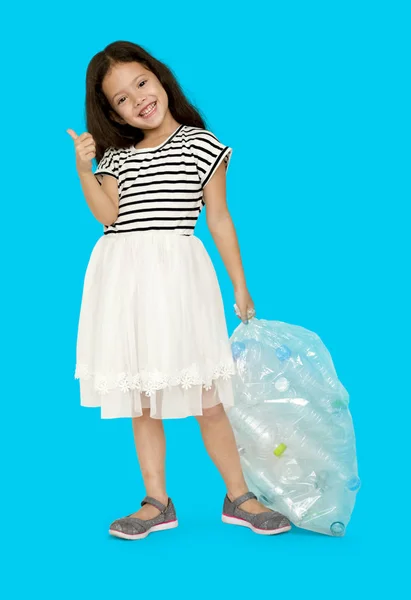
x=152, y=330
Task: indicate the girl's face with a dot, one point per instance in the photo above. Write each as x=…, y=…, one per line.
x=130, y=88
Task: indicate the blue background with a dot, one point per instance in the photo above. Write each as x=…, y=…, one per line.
x=314, y=99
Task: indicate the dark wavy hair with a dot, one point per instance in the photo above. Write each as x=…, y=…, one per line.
x=108, y=132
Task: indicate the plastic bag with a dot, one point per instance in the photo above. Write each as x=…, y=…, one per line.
x=292, y=425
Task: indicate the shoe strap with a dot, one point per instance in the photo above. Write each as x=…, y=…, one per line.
x=150, y=500
x=247, y=496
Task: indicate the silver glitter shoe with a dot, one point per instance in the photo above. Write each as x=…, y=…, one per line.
x=133, y=528
x=266, y=523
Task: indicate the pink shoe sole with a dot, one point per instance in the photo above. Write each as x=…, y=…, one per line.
x=244, y=523
x=139, y=536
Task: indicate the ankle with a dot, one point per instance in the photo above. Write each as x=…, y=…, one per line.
x=161, y=497
x=233, y=494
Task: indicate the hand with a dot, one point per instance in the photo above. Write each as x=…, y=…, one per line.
x=85, y=147
x=245, y=305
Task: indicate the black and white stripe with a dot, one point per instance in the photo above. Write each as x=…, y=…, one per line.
x=162, y=188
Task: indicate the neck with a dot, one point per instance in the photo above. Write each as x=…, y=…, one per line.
x=166, y=128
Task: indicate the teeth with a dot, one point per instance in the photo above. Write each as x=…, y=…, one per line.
x=148, y=109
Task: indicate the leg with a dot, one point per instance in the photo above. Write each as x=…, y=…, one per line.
x=219, y=440
x=150, y=445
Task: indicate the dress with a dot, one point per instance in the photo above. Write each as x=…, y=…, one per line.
x=152, y=330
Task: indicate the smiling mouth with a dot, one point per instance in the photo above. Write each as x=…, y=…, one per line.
x=149, y=110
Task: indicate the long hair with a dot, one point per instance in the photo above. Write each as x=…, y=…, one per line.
x=107, y=132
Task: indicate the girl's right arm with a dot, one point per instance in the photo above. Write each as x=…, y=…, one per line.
x=102, y=199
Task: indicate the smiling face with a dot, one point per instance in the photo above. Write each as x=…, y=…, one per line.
x=130, y=88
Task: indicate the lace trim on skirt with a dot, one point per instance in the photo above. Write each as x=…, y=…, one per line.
x=150, y=381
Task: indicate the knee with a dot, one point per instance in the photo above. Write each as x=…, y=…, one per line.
x=211, y=414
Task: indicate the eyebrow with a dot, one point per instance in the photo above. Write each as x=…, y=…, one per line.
x=120, y=92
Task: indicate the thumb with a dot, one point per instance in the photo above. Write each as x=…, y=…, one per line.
x=72, y=133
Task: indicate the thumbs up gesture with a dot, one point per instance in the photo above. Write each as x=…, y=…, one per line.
x=85, y=148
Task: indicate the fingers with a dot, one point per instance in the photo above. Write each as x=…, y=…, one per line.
x=88, y=145
x=249, y=314
x=244, y=313
x=85, y=150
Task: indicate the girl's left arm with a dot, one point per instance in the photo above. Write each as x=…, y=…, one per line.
x=224, y=235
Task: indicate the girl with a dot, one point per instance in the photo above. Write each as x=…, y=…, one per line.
x=152, y=338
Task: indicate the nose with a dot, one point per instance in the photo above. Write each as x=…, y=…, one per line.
x=140, y=101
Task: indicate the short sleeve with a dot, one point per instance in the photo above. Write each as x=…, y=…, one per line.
x=108, y=165
x=209, y=153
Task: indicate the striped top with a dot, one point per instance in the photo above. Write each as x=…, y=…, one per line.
x=162, y=187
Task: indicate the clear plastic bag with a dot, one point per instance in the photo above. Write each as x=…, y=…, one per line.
x=292, y=425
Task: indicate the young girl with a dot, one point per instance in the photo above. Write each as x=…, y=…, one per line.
x=152, y=338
